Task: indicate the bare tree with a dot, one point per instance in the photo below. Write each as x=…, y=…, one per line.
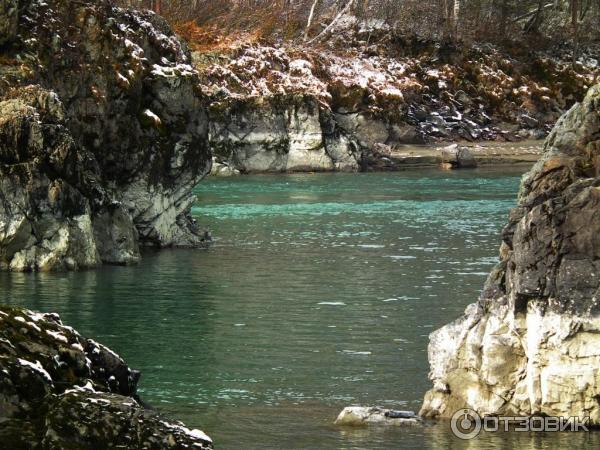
x=310, y=19
x=329, y=27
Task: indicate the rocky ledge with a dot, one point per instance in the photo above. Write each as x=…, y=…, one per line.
x=59, y=390
x=531, y=345
x=290, y=108
x=103, y=135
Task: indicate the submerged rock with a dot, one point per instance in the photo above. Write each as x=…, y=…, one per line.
x=530, y=346
x=361, y=415
x=103, y=136
x=60, y=390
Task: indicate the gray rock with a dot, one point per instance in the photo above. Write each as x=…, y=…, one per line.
x=287, y=134
x=529, y=122
x=456, y=157
x=360, y=416
x=46, y=217
x=222, y=170
x=102, y=160
x=463, y=98
x=530, y=345
x=60, y=390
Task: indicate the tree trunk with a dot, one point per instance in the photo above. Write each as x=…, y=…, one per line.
x=455, y=17
x=333, y=22
x=575, y=5
x=310, y=19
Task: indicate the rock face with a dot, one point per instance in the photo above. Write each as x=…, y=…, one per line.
x=102, y=136
x=60, y=390
x=281, y=134
x=301, y=108
x=531, y=345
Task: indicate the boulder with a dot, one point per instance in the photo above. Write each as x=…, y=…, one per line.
x=361, y=415
x=529, y=346
x=60, y=390
x=456, y=157
x=222, y=170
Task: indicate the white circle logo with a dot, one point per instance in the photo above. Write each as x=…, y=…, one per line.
x=465, y=424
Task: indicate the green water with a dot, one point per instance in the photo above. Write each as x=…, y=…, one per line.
x=319, y=293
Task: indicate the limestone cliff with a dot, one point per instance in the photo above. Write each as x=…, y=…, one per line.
x=281, y=134
x=531, y=344
x=102, y=135
x=286, y=107
x=59, y=390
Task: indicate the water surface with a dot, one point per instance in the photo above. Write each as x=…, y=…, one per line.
x=320, y=292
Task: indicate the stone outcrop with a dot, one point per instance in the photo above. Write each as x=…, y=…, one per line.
x=60, y=390
x=281, y=134
x=531, y=344
x=103, y=136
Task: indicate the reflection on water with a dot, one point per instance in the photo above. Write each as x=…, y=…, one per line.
x=320, y=292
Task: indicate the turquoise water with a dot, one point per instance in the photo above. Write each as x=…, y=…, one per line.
x=320, y=292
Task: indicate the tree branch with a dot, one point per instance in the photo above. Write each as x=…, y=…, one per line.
x=333, y=22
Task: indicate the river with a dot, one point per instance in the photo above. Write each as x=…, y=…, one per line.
x=319, y=292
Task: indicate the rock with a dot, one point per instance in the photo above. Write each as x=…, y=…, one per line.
x=437, y=120
x=103, y=158
x=405, y=134
x=222, y=170
x=9, y=20
x=463, y=98
x=61, y=390
x=455, y=157
x=290, y=134
x=529, y=346
x=46, y=217
x=529, y=122
x=359, y=415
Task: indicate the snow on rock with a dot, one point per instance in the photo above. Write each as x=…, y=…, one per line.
x=60, y=388
x=37, y=367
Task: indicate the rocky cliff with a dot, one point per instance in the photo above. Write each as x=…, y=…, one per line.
x=102, y=135
x=59, y=390
x=531, y=344
x=300, y=107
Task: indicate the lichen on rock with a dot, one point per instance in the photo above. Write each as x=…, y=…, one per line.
x=530, y=345
x=59, y=390
x=103, y=136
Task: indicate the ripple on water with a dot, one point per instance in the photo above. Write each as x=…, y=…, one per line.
x=289, y=317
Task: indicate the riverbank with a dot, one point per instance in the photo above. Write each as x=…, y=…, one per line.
x=285, y=107
x=484, y=154
x=411, y=157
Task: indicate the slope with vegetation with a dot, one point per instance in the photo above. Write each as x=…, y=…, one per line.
x=325, y=85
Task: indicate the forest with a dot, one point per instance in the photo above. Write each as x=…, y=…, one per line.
x=543, y=22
